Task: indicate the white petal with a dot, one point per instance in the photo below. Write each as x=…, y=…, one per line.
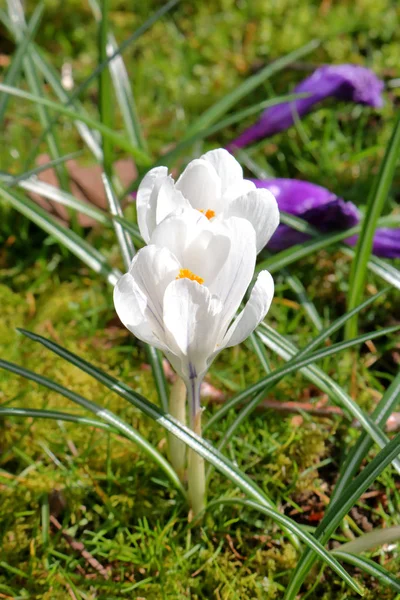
x=192, y=325
x=152, y=270
x=240, y=188
x=261, y=209
x=177, y=230
x=131, y=307
x=201, y=185
x=227, y=167
x=153, y=179
x=254, y=311
x=169, y=199
x=207, y=255
x=232, y=281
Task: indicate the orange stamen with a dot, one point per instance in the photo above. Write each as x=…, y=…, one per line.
x=187, y=274
x=210, y=214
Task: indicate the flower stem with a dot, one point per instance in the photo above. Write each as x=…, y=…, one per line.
x=196, y=468
x=177, y=409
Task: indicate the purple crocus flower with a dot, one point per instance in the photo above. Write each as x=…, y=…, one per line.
x=325, y=211
x=344, y=82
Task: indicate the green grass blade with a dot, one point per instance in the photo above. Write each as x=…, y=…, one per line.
x=376, y=537
x=124, y=239
x=340, y=508
x=372, y=568
x=183, y=433
x=376, y=202
x=308, y=306
x=90, y=138
x=236, y=117
x=385, y=407
x=380, y=267
x=56, y=416
x=215, y=112
x=17, y=17
x=308, y=539
x=53, y=193
x=104, y=414
x=260, y=352
x=11, y=181
x=155, y=359
x=294, y=253
x=122, y=86
x=118, y=139
x=14, y=70
x=291, y=353
x=84, y=251
x=105, y=91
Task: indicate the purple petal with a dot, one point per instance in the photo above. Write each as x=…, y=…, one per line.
x=345, y=82
x=325, y=211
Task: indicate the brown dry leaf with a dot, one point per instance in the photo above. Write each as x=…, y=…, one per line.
x=86, y=185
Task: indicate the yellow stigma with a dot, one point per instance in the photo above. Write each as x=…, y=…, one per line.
x=187, y=274
x=210, y=214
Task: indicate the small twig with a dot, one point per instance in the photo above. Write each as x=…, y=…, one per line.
x=79, y=547
x=232, y=547
x=71, y=591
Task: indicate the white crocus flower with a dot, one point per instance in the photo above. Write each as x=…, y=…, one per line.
x=183, y=290
x=213, y=185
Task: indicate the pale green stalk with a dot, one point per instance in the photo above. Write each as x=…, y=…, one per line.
x=177, y=409
x=196, y=466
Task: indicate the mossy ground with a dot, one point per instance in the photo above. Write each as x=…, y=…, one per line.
x=106, y=493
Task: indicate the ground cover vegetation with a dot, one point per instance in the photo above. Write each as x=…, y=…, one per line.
x=84, y=513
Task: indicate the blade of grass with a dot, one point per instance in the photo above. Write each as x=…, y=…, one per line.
x=340, y=509
x=260, y=352
x=105, y=92
x=213, y=113
x=183, y=433
x=368, y=566
x=17, y=17
x=104, y=414
x=381, y=268
x=294, y=253
x=57, y=416
x=14, y=70
x=291, y=353
x=378, y=266
x=376, y=537
x=124, y=240
x=236, y=117
x=119, y=140
x=11, y=181
x=376, y=202
x=53, y=193
x=122, y=86
x=90, y=138
x=155, y=359
x=84, y=251
x=305, y=537
x=309, y=307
